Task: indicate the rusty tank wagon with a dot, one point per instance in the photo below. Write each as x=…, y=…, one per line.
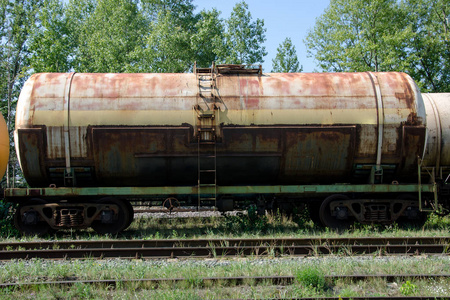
x=352, y=146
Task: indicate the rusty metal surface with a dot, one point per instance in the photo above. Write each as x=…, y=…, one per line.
x=437, y=153
x=139, y=129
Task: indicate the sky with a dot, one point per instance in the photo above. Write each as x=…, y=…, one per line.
x=282, y=19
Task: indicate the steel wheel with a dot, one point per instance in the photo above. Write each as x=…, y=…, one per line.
x=330, y=221
x=121, y=221
x=39, y=228
x=171, y=203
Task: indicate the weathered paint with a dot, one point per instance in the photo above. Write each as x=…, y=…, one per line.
x=139, y=129
x=174, y=118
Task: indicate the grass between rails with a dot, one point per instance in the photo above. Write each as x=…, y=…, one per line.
x=310, y=284
x=309, y=273
x=241, y=226
x=82, y=291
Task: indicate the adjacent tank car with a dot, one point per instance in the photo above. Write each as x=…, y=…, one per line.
x=353, y=146
x=4, y=145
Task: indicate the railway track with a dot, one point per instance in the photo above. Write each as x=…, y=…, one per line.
x=147, y=249
x=165, y=283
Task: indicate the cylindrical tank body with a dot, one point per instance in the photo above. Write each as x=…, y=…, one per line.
x=4, y=146
x=437, y=153
x=141, y=129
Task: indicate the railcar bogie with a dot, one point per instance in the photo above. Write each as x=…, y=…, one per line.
x=39, y=217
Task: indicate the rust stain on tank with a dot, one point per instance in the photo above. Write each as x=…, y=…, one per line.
x=281, y=85
x=403, y=90
x=252, y=103
x=412, y=119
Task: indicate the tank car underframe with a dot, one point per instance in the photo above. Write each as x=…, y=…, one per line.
x=71, y=207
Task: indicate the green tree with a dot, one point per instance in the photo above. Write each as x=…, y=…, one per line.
x=207, y=41
x=286, y=60
x=355, y=35
x=243, y=38
x=177, y=37
x=50, y=43
x=430, y=44
x=77, y=13
x=108, y=36
x=385, y=35
x=182, y=11
x=167, y=48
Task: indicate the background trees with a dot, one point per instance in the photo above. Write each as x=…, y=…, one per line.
x=385, y=35
x=430, y=43
x=49, y=40
x=113, y=30
x=286, y=60
x=243, y=38
x=355, y=35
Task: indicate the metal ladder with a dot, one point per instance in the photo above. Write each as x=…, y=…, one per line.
x=207, y=138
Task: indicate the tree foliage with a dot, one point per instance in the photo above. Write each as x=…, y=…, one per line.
x=354, y=35
x=181, y=10
x=109, y=35
x=49, y=43
x=128, y=35
x=243, y=38
x=384, y=35
x=286, y=60
x=166, y=48
x=207, y=41
x=430, y=44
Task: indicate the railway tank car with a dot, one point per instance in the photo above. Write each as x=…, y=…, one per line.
x=351, y=145
x=4, y=145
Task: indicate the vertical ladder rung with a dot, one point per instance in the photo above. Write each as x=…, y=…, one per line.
x=206, y=132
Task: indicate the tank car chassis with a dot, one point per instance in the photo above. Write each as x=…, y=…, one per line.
x=108, y=209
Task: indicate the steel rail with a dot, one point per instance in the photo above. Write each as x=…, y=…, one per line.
x=233, y=280
x=225, y=251
x=79, y=244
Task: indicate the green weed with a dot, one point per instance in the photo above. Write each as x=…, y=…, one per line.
x=7, y=228
x=408, y=288
x=311, y=277
x=250, y=222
